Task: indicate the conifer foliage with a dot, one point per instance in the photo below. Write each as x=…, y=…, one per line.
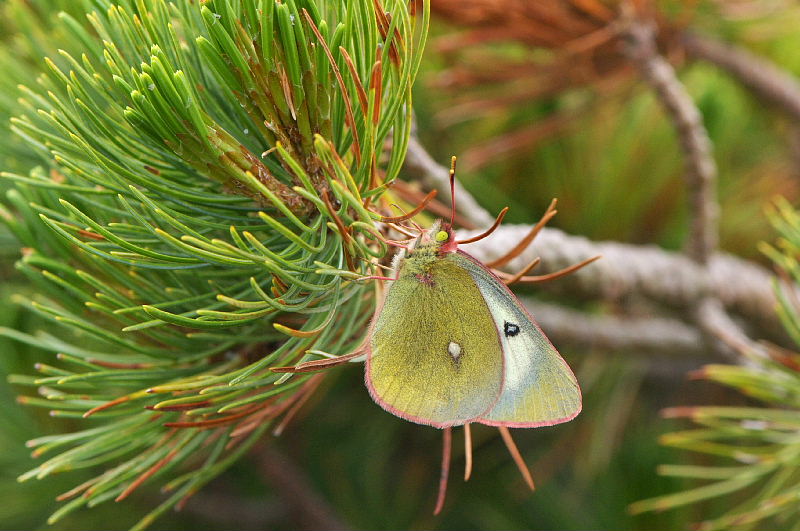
x=198, y=204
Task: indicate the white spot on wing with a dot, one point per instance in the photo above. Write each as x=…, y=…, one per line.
x=454, y=349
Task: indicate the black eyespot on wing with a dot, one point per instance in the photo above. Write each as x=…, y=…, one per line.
x=510, y=329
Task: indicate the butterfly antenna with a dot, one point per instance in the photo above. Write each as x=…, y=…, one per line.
x=514, y=451
x=452, y=190
x=467, y=452
x=447, y=443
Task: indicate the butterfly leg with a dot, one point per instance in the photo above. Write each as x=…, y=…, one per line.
x=511, y=279
x=467, y=452
x=405, y=231
x=403, y=244
x=408, y=215
x=514, y=451
x=447, y=443
x=376, y=277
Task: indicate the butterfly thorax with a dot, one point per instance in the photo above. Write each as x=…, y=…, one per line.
x=430, y=248
x=421, y=259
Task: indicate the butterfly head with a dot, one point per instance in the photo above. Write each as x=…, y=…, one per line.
x=445, y=238
x=440, y=238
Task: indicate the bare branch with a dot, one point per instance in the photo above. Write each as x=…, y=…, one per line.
x=715, y=321
x=625, y=271
x=701, y=170
x=756, y=73
x=647, y=336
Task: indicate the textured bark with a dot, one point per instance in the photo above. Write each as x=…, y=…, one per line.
x=758, y=74
x=646, y=336
x=629, y=271
x=700, y=168
x=703, y=284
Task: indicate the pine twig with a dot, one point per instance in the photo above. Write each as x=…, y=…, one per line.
x=736, y=344
x=701, y=170
x=648, y=336
x=700, y=175
x=671, y=280
x=757, y=73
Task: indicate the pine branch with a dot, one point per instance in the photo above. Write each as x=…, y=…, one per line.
x=213, y=172
x=761, y=459
x=759, y=74
x=636, y=335
x=702, y=279
x=701, y=170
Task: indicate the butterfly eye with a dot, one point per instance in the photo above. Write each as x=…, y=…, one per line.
x=442, y=236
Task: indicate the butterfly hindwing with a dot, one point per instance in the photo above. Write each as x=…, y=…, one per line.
x=539, y=387
x=435, y=356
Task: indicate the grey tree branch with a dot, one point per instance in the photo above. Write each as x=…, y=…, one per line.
x=700, y=175
x=704, y=284
x=701, y=170
x=756, y=73
x=637, y=335
x=627, y=271
x=734, y=343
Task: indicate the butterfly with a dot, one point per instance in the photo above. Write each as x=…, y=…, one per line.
x=452, y=345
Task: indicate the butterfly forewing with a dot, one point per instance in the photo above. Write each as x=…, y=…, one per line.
x=435, y=356
x=539, y=387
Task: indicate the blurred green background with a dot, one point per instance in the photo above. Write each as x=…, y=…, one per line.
x=616, y=169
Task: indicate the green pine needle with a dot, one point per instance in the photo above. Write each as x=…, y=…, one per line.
x=759, y=446
x=191, y=189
